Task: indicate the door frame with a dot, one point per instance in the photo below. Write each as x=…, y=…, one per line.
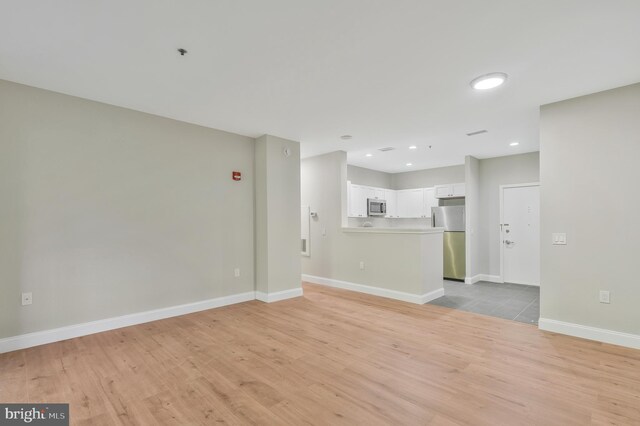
x=502, y=188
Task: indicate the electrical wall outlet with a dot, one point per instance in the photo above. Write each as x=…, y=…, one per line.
x=27, y=299
x=236, y=272
x=604, y=296
x=362, y=265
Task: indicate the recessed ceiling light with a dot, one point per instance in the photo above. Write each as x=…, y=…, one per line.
x=409, y=164
x=412, y=147
x=488, y=81
x=369, y=155
x=514, y=143
x=346, y=137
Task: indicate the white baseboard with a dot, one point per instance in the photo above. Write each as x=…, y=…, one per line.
x=483, y=277
x=432, y=295
x=23, y=341
x=591, y=333
x=376, y=291
x=278, y=295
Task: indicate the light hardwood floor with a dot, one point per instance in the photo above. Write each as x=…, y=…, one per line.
x=330, y=357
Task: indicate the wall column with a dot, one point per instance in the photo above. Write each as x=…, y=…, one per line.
x=277, y=185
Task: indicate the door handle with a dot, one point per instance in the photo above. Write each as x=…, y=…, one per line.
x=509, y=242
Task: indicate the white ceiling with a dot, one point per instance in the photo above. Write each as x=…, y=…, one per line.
x=390, y=73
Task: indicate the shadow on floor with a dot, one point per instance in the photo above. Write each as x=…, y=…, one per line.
x=509, y=301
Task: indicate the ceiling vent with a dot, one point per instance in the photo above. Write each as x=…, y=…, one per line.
x=479, y=132
x=389, y=148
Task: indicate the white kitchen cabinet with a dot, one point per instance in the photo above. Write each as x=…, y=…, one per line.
x=357, y=200
x=428, y=200
x=406, y=203
x=368, y=193
x=364, y=193
x=391, y=197
x=454, y=190
x=443, y=191
x=403, y=203
x=410, y=203
x=458, y=190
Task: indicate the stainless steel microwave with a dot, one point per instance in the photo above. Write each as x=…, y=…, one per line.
x=376, y=207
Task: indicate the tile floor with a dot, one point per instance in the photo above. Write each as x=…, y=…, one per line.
x=510, y=301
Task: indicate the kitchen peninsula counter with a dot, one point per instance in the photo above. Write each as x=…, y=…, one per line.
x=400, y=263
x=374, y=230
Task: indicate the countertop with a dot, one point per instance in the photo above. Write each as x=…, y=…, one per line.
x=374, y=230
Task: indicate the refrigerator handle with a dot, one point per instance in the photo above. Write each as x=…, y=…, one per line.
x=433, y=220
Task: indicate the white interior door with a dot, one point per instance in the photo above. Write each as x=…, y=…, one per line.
x=521, y=234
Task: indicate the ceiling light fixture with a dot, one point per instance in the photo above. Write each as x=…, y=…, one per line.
x=409, y=164
x=488, y=81
x=412, y=147
x=369, y=155
x=346, y=137
x=514, y=144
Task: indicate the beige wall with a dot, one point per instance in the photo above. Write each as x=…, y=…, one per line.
x=493, y=172
x=589, y=175
x=277, y=214
x=368, y=177
x=106, y=211
x=429, y=177
x=406, y=180
x=321, y=189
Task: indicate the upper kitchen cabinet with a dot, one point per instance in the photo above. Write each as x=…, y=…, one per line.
x=454, y=190
x=410, y=203
x=428, y=200
x=357, y=206
x=391, y=197
x=358, y=196
x=406, y=203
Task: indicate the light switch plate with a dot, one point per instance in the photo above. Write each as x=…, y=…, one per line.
x=605, y=296
x=559, y=239
x=236, y=272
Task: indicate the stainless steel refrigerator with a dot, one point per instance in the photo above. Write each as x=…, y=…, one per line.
x=452, y=219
